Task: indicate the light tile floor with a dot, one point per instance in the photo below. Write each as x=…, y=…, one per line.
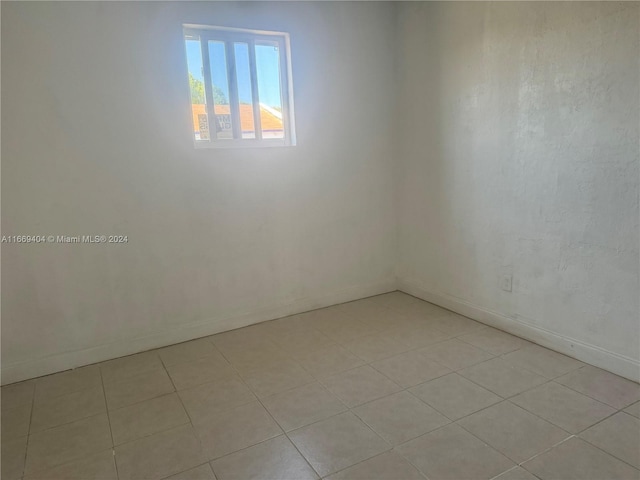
x=388, y=387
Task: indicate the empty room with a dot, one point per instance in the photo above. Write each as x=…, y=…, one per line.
x=369, y=240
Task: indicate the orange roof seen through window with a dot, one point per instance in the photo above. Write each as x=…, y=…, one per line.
x=268, y=120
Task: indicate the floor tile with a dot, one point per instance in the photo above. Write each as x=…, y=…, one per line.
x=202, y=472
x=126, y=368
x=563, y=407
x=68, y=382
x=374, y=347
x=455, y=354
x=206, y=369
x=206, y=401
x=302, y=341
x=97, y=466
x=293, y=323
x=378, y=317
x=410, y=368
x=66, y=443
x=603, y=386
x=237, y=339
x=454, y=324
x=251, y=357
x=274, y=459
x=542, y=361
x=513, y=431
x=147, y=418
x=303, y=405
x=187, y=351
x=15, y=422
x=17, y=395
x=276, y=378
x=361, y=308
x=494, y=341
x=160, y=455
x=633, y=409
x=400, y=417
x=182, y=411
x=502, y=378
x=618, y=435
x=416, y=336
x=388, y=319
x=51, y=412
x=138, y=389
x=577, y=460
x=427, y=309
x=13, y=454
x=360, y=385
x=337, y=443
x=516, y=473
x=323, y=318
x=328, y=361
x=386, y=466
x=236, y=429
x=455, y=396
x=450, y=453
x=344, y=329
x=396, y=300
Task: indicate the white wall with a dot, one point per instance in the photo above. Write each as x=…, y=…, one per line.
x=519, y=146
x=515, y=153
x=96, y=139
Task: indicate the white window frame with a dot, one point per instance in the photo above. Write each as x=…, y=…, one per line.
x=230, y=35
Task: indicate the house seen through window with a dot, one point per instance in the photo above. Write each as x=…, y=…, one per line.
x=240, y=87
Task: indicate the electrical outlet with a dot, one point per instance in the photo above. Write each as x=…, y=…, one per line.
x=506, y=283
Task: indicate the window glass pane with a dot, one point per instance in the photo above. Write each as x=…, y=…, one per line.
x=241, y=51
x=269, y=89
x=196, y=84
x=220, y=90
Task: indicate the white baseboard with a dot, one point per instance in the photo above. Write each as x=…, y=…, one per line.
x=181, y=333
x=619, y=364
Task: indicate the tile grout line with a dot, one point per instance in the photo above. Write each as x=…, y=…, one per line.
x=504, y=454
x=453, y=422
x=546, y=450
x=176, y=426
x=350, y=409
x=420, y=436
x=160, y=395
x=548, y=380
x=507, y=471
x=392, y=450
x=599, y=448
x=272, y=418
x=590, y=396
x=106, y=406
x=70, y=421
x=615, y=412
x=496, y=393
x=26, y=447
x=29, y=435
x=316, y=380
x=188, y=416
x=107, y=411
x=359, y=405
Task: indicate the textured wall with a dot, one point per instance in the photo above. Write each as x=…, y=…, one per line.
x=515, y=152
x=520, y=153
x=97, y=139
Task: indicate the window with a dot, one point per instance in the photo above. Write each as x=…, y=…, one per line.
x=240, y=85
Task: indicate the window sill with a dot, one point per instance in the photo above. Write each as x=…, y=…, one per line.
x=230, y=144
